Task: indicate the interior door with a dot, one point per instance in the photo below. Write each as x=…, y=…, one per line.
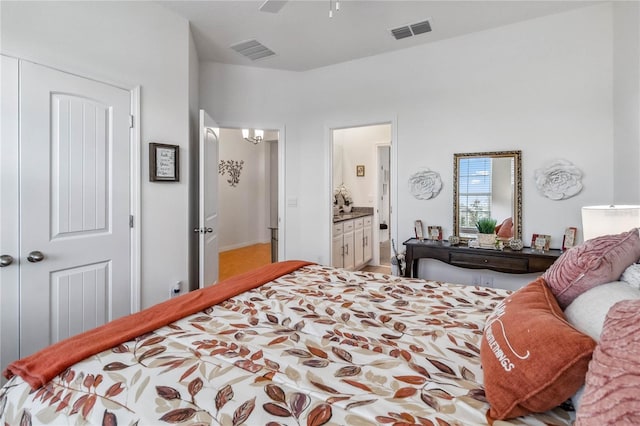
x=208, y=216
x=74, y=205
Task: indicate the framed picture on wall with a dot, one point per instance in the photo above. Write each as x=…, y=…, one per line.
x=360, y=170
x=569, y=238
x=417, y=226
x=164, y=162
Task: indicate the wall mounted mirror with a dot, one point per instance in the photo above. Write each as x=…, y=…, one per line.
x=486, y=184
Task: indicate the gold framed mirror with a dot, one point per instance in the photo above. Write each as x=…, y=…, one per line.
x=487, y=184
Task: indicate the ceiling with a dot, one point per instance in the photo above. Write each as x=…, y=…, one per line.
x=304, y=37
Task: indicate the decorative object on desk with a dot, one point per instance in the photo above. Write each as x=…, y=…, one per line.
x=233, y=168
x=516, y=244
x=569, y=238
x=559, y=180
x=609, y=220
x=453, y=240
x=540, y=242
x=435, y=233
x=486, y=232
x=360, y=170
x=417, y=227
x=164, y=162
x=425, y=185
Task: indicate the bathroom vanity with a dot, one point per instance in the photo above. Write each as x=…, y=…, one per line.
x=352, y=240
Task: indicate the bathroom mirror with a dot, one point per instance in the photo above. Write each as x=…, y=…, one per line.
x=487, y=184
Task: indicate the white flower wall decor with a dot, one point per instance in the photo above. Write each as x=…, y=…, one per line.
x=559, y=180
x=425, y=184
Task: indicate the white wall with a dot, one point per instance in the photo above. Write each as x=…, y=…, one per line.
x=130, y=44
x=357, y=146
x=626, y=101
x=542, y=86
x=244, y=208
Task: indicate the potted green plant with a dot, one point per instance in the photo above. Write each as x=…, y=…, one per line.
x=486, y=232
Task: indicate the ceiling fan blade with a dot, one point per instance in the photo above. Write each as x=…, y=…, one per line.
x=273, y=6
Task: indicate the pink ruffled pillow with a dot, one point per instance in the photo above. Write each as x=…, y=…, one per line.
x=612, y=390
x=596, y=261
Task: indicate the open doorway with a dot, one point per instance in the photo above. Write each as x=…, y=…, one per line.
x=248, y=199
x=361, y=162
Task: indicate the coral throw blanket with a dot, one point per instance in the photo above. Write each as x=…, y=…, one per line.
x=41, y=367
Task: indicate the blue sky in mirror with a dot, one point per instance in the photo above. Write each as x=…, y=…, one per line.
x=474, y=190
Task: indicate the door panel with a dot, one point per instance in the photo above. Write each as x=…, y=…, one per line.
x=80, y=163
x=208, y=216
x=74, y=204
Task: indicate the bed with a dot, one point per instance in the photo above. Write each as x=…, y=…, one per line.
x=314, y=346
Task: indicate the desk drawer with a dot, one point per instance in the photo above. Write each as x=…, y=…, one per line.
x=498, y=263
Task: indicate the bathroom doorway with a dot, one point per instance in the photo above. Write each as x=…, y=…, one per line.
x=361, y=163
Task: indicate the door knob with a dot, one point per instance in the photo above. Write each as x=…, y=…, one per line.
x=35, y=256
x=5, y=260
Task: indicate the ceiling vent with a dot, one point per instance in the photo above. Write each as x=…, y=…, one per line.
x=411, y=30
x=253, y=49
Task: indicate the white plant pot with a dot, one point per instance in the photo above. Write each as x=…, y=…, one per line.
x=487, y=240
x=346, y=209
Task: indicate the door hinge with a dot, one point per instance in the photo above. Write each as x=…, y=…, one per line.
x=130, y=121
x=130, y=221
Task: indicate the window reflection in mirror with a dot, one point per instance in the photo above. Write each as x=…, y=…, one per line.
x=487, y=184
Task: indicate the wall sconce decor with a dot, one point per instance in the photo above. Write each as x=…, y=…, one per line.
x=559, y=180
x=164, y=163
x=233, y=168
x=425, y=185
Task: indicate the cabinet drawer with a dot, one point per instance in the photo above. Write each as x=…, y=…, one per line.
x=347, y=226
x=368, y=220
x=358, y=223
x=337, y=228
x=502, y=263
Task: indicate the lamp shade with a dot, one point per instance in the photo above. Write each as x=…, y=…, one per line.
x=609, y=220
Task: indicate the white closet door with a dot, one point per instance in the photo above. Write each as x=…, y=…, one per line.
x=9, y=274
x=208, y=217
x=74, y=204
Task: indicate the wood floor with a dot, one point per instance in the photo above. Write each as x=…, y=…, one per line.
x=234, y=262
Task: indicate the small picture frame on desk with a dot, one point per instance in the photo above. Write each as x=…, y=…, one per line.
x=435, y=233
x=569, y=238
x=540, y=242
x=417, y=226
x=164, y=162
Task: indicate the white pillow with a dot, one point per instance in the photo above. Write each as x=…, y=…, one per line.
x=631, y=275
x=588, y=311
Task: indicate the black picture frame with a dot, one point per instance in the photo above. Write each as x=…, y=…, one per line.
x=164, y=162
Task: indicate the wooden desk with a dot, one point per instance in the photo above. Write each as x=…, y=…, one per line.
x=512, y=262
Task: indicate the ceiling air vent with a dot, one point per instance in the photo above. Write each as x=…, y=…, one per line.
x=411, y=30
x=253, y=49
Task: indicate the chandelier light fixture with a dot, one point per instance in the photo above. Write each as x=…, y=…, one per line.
x=331, y=9
x=258, y=136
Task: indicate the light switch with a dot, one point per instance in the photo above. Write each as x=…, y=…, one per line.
x=292, y=202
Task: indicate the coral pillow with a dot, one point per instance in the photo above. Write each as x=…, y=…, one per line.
x=612, y=390
x=505, y=229
x=532, y=358
x=596, y=261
